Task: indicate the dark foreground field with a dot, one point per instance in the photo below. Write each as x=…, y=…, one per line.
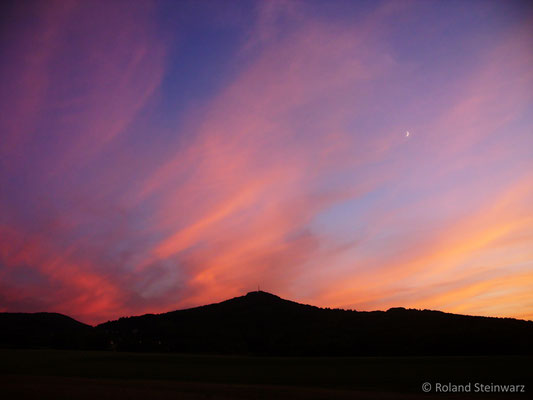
x=53, y=374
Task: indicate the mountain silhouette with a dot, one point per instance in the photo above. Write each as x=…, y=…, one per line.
x=261, y=323
x=30, y=330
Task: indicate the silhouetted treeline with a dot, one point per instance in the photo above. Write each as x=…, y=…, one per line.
x=263, y=324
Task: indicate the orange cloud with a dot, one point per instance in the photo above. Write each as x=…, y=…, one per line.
x=294, y=173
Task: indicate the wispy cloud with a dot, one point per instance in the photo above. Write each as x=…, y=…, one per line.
x=294, y=173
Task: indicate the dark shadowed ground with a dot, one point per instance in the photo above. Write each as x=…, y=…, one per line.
x=58, y=374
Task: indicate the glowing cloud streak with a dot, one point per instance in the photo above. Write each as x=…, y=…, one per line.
x=121, y=193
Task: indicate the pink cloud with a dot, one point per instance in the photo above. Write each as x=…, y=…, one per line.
x=312, y=119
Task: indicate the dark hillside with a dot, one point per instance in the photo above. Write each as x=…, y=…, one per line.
x=50, y=330
x=262, y=323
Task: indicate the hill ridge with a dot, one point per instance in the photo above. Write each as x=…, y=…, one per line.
x=262, y=323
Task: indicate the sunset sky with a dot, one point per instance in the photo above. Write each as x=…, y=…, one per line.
x=354, y=154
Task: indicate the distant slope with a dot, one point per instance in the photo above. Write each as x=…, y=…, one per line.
x=36, y=330
x=264, y=324
x=261, y=323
